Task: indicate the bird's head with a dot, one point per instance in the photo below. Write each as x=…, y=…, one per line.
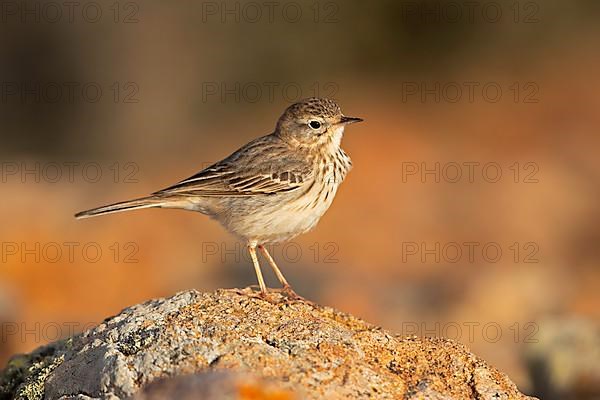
x=313, y=122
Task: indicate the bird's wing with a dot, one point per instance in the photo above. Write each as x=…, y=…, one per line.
x=262, y=167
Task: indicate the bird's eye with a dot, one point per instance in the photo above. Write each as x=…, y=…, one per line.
x=314, y=124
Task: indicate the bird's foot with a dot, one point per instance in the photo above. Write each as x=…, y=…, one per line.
x=257, y=293
x=286, y=292
x=291, y=294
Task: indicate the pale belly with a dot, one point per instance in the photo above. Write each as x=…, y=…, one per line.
x=277, y=218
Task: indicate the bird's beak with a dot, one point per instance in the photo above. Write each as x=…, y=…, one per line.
x=349, y=120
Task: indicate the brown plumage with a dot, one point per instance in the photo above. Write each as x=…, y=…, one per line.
x=270, y=190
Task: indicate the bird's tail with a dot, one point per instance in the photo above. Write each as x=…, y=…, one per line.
x=144, y=202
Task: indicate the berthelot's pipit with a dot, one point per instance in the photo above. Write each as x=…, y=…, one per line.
x=270, y=190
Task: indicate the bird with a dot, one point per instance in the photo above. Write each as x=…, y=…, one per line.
x=272, y=189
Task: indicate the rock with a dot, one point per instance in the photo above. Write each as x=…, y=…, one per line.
x=231, y=340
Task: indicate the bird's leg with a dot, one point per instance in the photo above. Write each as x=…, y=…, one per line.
x=286, y=286
x=280, y=276
x=261, y=281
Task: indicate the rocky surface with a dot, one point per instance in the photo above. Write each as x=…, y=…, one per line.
x=233, y=344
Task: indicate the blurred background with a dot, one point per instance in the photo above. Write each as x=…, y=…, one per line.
x=471, y=212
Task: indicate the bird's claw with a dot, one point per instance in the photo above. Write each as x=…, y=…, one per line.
x=291, y=294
